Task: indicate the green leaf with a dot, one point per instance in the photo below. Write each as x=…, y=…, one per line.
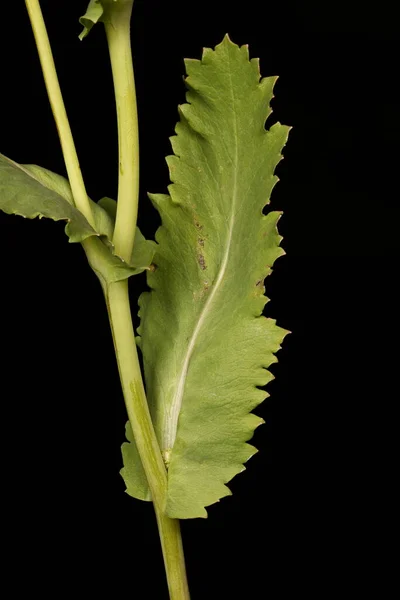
x=32, y=191
x=92, y=16
x=23, y=191
x=143, y=250
x=205, y=345
x=99, y=10
x=57, y=183
x=110, y=206
x=52, y=181
x=110, y=268
x=133, y=473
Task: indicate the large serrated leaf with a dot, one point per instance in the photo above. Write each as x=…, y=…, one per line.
x=205, y=345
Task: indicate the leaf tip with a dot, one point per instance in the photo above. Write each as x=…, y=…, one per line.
x=226, y=43
x=227, y=39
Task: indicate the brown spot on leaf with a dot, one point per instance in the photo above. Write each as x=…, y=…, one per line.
x=202, y=262
x=201, y=242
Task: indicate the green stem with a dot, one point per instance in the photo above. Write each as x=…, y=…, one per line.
x=116, y=294
x=117, y=25
x=57, y=106
x=118, y=306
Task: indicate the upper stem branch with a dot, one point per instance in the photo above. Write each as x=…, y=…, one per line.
x=117, y=25
x=57, y=106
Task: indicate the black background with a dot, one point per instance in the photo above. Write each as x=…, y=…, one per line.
x=301, y=520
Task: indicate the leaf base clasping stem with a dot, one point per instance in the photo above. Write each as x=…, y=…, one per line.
x=118, y=306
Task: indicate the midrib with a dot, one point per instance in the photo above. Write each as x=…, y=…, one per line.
x=171, y=424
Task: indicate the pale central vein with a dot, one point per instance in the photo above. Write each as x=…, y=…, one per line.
x=171, y=424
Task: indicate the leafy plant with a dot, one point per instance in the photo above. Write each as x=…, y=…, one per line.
x=206, y=346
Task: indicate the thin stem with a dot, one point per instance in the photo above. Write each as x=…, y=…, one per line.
x=117, y=300
x=117, y=25
x=57, y=106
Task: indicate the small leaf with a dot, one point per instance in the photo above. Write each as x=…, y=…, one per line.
x=133, y=473
x=99, y=10
x=24, y=192
x=31, y=191
x=59, y=184
x=110, y=268
x=92, y=16
x=110, y=206
x=143, y=250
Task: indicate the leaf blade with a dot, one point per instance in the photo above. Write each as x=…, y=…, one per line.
x=93, y=15
x=206, y=348
x=132, y=472
x=32, y=191
x=23, y=193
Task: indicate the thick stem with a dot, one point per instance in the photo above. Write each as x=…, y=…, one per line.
x=57, y=106
x=117, y=25
x=118, y=306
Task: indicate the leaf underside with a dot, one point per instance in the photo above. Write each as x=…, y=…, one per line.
x=133, y=472
x=24, y=192
x=206, y=348
x=32, y=191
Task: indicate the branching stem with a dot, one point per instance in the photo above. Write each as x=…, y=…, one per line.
x=57, y=106
x=117, y=23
